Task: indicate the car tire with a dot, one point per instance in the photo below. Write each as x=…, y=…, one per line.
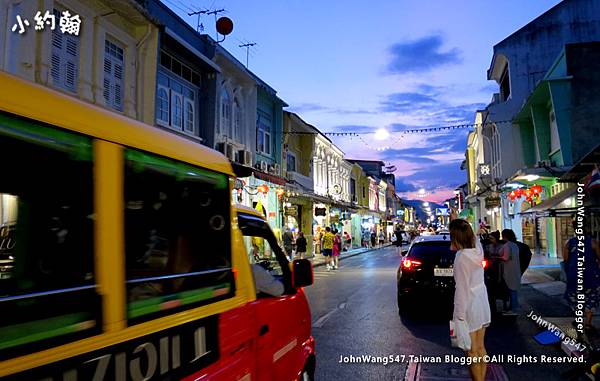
x=401, y=303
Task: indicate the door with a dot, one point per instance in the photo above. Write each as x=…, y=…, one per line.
x=283, y=321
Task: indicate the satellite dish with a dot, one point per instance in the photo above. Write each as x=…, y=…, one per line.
x=224, y=26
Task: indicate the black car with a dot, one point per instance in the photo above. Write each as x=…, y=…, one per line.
x=427, y=271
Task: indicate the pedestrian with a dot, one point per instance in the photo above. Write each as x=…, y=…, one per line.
x=471, y=310
x=347, y=241
x=373, y=239
x=301, y=245
x=337, y=248
x=524, y=250
x=327, y=245
x=398, y=240
x=587, y=251
x=381, y=238
x=288, y=243
x=511, y=271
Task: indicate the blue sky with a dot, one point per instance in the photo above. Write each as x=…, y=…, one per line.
x=356, y=66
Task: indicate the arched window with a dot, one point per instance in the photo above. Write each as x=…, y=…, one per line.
x=226, y=113
x=162, y=106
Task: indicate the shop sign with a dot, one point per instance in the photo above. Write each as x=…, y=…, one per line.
x=291, y=211
x=492, y=202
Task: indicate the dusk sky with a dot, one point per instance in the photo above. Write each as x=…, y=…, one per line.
x=357, y=66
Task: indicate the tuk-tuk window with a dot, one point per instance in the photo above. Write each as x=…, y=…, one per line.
x=177, y=236
x=47, y=287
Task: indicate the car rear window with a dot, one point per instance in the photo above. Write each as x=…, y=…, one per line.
x=433, y=249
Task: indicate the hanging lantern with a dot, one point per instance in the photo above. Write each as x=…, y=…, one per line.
x=528, y=194
x=518, y=192
x=512, y=196
x=264, y=189
x=536, y=189
x=280, y=192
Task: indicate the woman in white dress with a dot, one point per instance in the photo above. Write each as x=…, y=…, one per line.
x=471, y=308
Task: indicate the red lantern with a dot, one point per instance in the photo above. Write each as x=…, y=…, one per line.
x=263, y=189
x=280, y=192
x=518, y=192
x=536, y=189
x=528, y=194
x=512, y=196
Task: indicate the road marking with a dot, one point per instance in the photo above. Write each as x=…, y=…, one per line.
x=319, y=323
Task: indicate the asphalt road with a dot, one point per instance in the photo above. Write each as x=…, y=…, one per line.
x=354, y=313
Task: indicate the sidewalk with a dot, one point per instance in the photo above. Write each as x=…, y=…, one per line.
x=319, y=259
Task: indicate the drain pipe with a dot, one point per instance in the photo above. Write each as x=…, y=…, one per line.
x=138, y=71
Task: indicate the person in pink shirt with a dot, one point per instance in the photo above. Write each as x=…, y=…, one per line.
x=337, y=248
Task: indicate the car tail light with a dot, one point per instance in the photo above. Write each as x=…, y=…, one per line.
x=484, y=264
x=409, y=263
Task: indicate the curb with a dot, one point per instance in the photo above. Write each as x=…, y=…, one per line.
x=353, y=254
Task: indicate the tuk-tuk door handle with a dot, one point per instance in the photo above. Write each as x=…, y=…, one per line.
x=263, y=330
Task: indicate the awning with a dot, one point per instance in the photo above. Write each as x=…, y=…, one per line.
x=553, y=202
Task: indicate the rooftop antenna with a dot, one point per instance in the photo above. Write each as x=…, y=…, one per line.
x=199, y=26
x=215, y=12
x=247, y=45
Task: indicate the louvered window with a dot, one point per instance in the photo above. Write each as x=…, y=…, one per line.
x=64, y=62
x=113, y=75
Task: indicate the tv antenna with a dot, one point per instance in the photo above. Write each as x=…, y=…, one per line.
x=247, y=45
x=199, y=25
x=215, y=12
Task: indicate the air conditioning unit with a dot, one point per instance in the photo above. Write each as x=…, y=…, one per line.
x=230, y=152
x=264, y=166
x=245, y=157
x=222, y=147
x=544, y=163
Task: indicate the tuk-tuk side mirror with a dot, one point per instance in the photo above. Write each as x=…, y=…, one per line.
x=302, y=273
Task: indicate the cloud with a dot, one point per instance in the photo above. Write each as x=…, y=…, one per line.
x=315, y=107
x=421, y=55
x=407, y=102
x=427, y=108
x=403, y=186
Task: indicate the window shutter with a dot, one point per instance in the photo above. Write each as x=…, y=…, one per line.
x=57, y=58
x=71, y=62
x=118, y=89
x=113, y=75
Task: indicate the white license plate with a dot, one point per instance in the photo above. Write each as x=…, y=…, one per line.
x=443, y=272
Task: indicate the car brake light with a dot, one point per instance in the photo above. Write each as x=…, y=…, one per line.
x=408, y=263
x=484, y=264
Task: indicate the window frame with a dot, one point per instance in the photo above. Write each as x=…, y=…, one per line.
x=287, y=162
x=59, y=75
x=119, y=49
x=174, y=168
x=54, y=139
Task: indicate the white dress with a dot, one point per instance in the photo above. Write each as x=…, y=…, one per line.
x=470, y=296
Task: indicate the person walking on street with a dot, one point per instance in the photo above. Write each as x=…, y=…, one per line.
x=301, y=245
x=471, y=310
x=327, y=245
x=373, y=239
x=524, y=250
x=337, y=248
x=589, y=254
x=288, y=242
x=347, y=241
x=381, y=238
x=511, y=270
